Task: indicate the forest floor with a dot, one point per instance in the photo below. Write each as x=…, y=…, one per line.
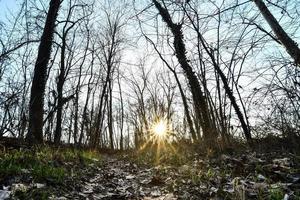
x=49, y=173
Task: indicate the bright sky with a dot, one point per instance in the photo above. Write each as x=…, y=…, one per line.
x=6, y=6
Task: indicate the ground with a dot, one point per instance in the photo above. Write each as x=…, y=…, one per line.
x=73, y=174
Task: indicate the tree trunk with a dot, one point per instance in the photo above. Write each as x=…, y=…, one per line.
x=110, y=117
x=84, y=112
x=290, y=45
x=238, y=112
x=201, y=109
x=60, y=85
x=186, y=108
x=122, y=113
x=100, y=115
x=36, y=105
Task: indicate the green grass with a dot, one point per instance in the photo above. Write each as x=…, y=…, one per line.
x=45, y=163
x=90, y=156
x=41, y=194
x=276, y=194
x=19, y=162
x=55, y=174
x=164, y=156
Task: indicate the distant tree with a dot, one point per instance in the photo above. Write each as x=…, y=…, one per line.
x=65, y=66
x=183, y=97
x=139, y=114
x=110, y=43
x=36, y=105
x=121, y=115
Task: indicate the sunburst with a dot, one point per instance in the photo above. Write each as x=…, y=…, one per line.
x=160, y=138
x=160, y=130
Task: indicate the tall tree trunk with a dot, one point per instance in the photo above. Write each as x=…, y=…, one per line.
x=78, y=89
x=290, y=45
x=62, y=77
x=221, y=114
x=76, y=105
x=238, y=112
x=70, y=127
x=36, y=105
x=60, y=85
x=84, y=115
x=110, y=116
x=201, y=108
x=84, y=112
x=100, y=114
x=122, y=113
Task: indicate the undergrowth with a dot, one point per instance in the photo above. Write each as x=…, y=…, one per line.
x=44, y=163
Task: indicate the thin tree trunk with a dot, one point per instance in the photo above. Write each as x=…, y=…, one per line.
x=70, y=128
x=227, y=88
x=122, y=113
x=234, y=104
x=100, y=114
x=60, y=84
x=186, y=109
x=110, y=117
x=78, y=88
x=183, y=97
x=84, y=112
x=61, y=78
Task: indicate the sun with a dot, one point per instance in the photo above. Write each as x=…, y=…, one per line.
x=160, y=129
x=160, y=138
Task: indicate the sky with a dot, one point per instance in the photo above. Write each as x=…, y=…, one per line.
x=6, y=6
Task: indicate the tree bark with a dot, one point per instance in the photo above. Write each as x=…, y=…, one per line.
x=36, y=105
x=290, y=45
x=201, y=109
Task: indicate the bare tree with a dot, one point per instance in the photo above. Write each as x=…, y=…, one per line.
x=36, y=105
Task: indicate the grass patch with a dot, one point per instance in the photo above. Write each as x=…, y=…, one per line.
x=90, y=156
x=25, y=162
x=55, y=174
x=276, y=194
x=45, y=163
x=166, y=155
x=41, y=194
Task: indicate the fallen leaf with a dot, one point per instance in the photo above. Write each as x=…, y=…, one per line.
x=155, y=193
x=129, y=177
x=4, y=194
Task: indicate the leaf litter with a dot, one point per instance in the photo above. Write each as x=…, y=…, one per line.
x=245, y=176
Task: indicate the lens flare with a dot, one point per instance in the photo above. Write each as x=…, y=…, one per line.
x=160, y=138
x=160, y=129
